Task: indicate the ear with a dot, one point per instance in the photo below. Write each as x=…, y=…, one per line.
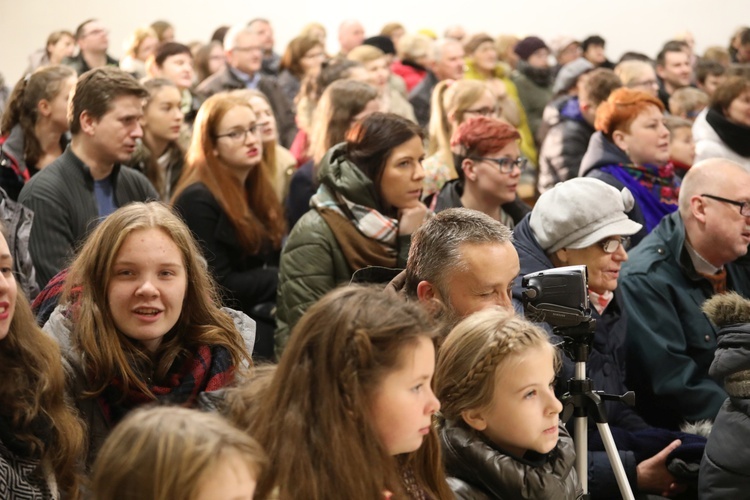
x=660, y=71
x=475, y=419
x=426, y=292
x=698, y=208
x=469, y=168
x=44, y=107
x=88, y=123
x=619, y=138
x=561, y=256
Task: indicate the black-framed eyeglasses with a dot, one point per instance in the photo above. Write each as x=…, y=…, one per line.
x=239, y=135
x=744, y=205
x=487, y=111
x=505, y=165
x=610, y=245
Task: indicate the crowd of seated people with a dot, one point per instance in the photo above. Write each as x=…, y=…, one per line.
x=229, y=271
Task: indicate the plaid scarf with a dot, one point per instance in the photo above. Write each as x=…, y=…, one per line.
x=655, y=189
x=208, y=369
x=368, y=221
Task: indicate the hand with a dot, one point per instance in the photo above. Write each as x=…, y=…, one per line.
x=410, y=218
x=653, y=476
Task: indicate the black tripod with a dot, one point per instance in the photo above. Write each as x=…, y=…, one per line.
x=583, y=401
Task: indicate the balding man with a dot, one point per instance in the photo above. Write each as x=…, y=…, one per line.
x=691, y=255
x=447, y=63
x=351, y=34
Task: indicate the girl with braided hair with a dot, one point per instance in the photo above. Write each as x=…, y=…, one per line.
x=348, y=411
x=500, y=426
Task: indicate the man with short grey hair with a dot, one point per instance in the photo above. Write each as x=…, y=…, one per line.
x=448, y=64
x=244, y=55
x=694, y=253
x=264, y=32
x=460, y=261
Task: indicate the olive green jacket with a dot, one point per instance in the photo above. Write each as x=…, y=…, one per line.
x=312, y=263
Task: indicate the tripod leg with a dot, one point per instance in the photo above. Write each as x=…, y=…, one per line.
x=582, y=447
x=614, y=460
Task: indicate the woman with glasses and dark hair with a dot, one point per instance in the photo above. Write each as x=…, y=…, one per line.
x=228, y=201
x=631, y=149
x=489, y=164
x=584, y=221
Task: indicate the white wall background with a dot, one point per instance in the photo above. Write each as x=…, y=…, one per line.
x=641, y=25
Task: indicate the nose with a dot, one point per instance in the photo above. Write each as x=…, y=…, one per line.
x=137, y=132
x=505, y=301
x=553, y=404
x=433, y=405
x=620, y=255
x=250, y=137
x=5, y=282
x=147, y=289
x=418, y=172
x=663, y=130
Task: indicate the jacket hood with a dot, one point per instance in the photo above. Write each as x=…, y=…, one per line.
x=345, y=178
x=14, y=145
x=530, y=254
x=601, y=152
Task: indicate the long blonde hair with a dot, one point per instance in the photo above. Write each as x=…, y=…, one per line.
x=451, y=98
x=163, y=453
x=107, y=352
x=473, y=351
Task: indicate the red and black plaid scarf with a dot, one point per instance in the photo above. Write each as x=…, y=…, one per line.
x=210, y=368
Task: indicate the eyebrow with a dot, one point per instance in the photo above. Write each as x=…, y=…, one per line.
x=161, y=264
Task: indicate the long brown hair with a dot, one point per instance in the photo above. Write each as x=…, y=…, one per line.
x=45, y=83
x=32, y=391
x=254, y=209
x=312, y=417
x=108, y=353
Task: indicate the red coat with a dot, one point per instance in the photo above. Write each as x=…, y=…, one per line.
x=411, y=74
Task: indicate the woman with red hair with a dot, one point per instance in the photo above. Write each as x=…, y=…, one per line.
x=228, y=201
x=631, y=149
x=488, y=162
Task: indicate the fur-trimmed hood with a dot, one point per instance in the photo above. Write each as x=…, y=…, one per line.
x=731, y=365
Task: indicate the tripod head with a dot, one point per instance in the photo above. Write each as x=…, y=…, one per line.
x=559, y=297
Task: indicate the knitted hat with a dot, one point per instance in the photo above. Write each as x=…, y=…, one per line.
x=579, y=212
x=569, y=73
x=381, y=42
x=528, y=46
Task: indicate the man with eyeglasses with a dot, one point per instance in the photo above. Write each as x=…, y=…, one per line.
x=92, y=39
x=692, y=254
x=244, y=54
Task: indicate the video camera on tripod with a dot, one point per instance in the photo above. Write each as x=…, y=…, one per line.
x=559, y=297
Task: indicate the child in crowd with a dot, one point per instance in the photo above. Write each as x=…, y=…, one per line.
x=41, y=440
x=681, y=144
x=501, y=431
x=138, y=321
x=348, y=411
x=164, y=453
x=687, y=103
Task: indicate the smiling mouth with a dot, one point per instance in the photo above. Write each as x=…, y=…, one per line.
x=147, y=311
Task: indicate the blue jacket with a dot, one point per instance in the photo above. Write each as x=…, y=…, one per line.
x=670, y=341
x=606, y=367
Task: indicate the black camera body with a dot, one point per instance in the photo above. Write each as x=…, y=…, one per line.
x=560, y=297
